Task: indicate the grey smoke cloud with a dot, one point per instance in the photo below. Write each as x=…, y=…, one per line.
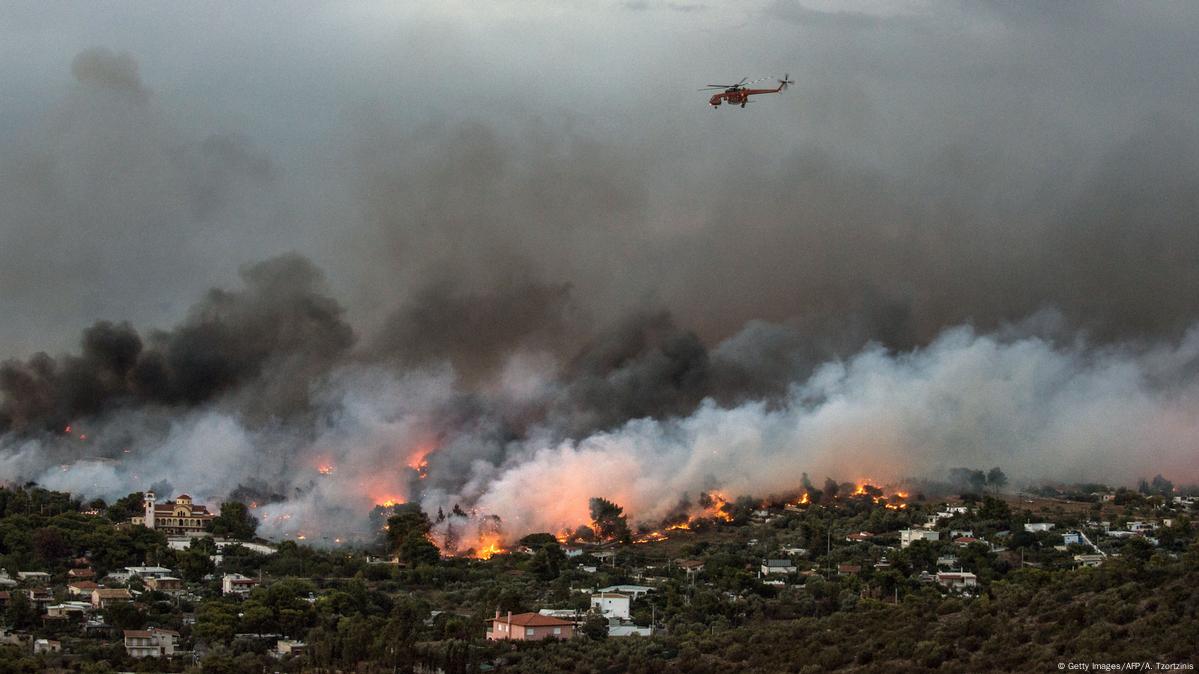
x=554, y=246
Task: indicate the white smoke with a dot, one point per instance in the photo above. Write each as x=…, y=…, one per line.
x=1038, y=409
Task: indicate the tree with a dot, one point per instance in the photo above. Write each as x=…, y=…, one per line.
x=595, y=627
x=235, y=521
x=994, y=509
x=124, y=507
x=609, y=520
x=978, y=480
x=408, y=535
x=21, y=614
x=1160, y=485
x=830, y=488
x=547, y=562
x=534, y=541
x=124, y=616
x=996, y=479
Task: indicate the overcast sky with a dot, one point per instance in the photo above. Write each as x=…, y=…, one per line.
x=935, y=163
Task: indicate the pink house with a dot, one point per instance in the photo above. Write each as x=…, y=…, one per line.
x=529, y=627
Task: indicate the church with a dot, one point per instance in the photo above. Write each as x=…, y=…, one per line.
x=181, y=518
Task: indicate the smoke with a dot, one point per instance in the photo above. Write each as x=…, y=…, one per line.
x=965, y=237
x=643, y=417
x=264, y=344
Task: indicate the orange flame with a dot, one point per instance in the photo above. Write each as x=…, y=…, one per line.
x=651, y=537
x=326, y=469
x=489, y=546
x=718, y=508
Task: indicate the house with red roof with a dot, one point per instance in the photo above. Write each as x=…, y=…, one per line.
x=529, y=627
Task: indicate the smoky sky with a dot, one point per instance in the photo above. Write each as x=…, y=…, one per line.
x=969, y=162
x=519, y=225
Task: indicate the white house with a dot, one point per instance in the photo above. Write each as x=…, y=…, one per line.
x=235, y=583
x=148, y=571
x=623, y=630
x=1034, y=527
x=634, y=591
x=612, y=604
x=957, y=580
x=777, y=566
x=908, y=536
x=151, y=643
x=289, y=647
x=1071, y=538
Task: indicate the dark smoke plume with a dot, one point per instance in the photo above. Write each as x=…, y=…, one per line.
x=275, y=336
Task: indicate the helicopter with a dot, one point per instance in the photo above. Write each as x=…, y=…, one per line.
x=738, y=94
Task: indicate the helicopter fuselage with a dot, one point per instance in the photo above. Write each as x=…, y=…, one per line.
x=738, y=96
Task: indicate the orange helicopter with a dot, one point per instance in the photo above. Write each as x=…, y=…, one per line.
x=738, y=94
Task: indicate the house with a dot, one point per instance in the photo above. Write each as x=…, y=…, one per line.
x=1141, y=527
x=849, y=569
x=185, y=542
x=794, y=552
x=33, y=577
x=629, y=630
x=151, y=643
x=573, y=615
x=181, y=518
x=612, y=604
x=41, y=646
x=963, y=541
x=1071, y=538
x=1034, y=527
x=947, y=560
x=859, y=537
x=289, y=647
x=690, y=565
x=1088, y=560
x=908, y=536
x=958, y=533
x=572, y=552
x=634, y=591
x=166, y=584
x=777, y=566
x=529, y=627
x=235, y=583
x=81, y=588
x=147, y=571
x=82, y=574
x=105, y=597
x=69, y=609
x=40, y=598
x=957, y=580
x=882, y=564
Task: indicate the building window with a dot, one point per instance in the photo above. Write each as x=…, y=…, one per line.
x=557, y=630
x=529, y=631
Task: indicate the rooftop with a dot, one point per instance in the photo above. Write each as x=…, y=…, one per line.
x=533, y=620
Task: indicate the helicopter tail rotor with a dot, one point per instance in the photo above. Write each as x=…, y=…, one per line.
x=785, y=81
